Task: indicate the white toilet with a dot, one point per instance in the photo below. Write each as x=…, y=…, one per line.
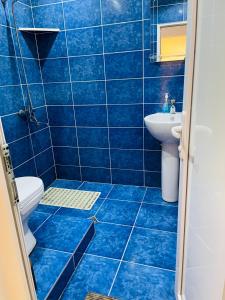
x=30, y=191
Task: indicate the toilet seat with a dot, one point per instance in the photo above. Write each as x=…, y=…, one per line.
x=29, y=188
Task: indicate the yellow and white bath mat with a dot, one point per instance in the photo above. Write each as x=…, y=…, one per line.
x=70, y=198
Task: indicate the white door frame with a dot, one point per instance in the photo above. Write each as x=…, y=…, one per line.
x=184, y=144
x=16, y=281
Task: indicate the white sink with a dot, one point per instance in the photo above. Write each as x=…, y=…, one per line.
x=162, y=127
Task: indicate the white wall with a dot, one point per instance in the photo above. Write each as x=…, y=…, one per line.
x=204, y=272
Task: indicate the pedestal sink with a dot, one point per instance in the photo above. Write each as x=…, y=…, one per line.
x=160, y=126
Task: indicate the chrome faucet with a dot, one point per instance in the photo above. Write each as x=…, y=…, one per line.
x=172, y=107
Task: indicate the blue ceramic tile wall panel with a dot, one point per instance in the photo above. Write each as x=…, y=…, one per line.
x=125, y=10
x=126, y=138
x=118, y=212
x=64, y=136
x=42, y=2
x=90, y=276
x=53, y=261
x=4, y=15
x=150, y=143
x=68, y=172
x=124, y=65
x=128, y=177
x=87, y=68
x=37, y=95
x=41, y=140
x=27, y=45
x=41, y=115
x=96, y=174
x=125, y=115
x=66, y=156
x=55, y=70
x=127, y=159
x=20, y=151
x=9, y=69
x=152, y=248
x=109, y=240
x=42, y=19
x=168, y=2
x=152, y=160
x=23, y=15
x=93, y=137
x=52, y=45
x=58, y=94
x=153, y=179
x=125, y=91
x=11, y=99
x=94, y=157
x=84, y=41
x=32, y=70
x=26, y=169
x=123, y=37
x=80, y=14
x=6, y=42
x=44, y=161
x=14, y=128
x=163, y=68
x=155, y=89
x=61, y=115
x=20, y=70
x=170, y=13
x=150, y=283
x=152, y=108
x=48, y=177
x=91, y=116
x=89, y=92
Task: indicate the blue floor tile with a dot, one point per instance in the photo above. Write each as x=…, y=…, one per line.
x=158, y=217
x=48, y=209
x=103, y=188
x=126, y=192
x=36, y=219
x=118, y=212
x=62, y=233
x=66, y=184
x=109, y=240
x=154, y=196
x=94, y=274
x=79, y=213
x=151, y=247
x=47, y=265
x=138, y=282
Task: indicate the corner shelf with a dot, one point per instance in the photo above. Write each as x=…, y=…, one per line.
x=38, y=30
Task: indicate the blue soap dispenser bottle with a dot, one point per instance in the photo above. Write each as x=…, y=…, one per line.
x=165, y=108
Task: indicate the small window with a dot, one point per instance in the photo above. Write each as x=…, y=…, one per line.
x=171, y=41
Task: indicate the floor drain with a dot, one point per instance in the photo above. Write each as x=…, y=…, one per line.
x=94, y=219
x=93, y=296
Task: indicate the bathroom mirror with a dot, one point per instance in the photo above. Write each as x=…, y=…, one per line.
x=168, y=29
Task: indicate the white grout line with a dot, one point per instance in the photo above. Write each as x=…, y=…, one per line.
x=126, y=246
x=71, y=87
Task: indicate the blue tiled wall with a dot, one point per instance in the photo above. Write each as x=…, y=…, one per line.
x=97, y=82
x=30, y=145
